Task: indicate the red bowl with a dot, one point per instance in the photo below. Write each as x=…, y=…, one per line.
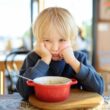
x=52, y=88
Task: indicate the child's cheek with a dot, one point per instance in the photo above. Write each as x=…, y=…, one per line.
x=47, y=46
x=63, y=46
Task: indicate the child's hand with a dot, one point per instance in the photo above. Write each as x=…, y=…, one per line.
x=68, y=55
x=43, y=52
x=67, y=52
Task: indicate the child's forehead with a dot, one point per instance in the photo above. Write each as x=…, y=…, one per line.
x=53, y=30
x=51, y=35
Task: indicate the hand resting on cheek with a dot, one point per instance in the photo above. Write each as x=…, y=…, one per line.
x=66, y=52
x=43, y=52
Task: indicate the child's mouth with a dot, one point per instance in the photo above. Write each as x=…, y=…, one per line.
x=56, y=57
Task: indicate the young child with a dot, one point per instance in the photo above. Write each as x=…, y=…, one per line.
x=54, y=54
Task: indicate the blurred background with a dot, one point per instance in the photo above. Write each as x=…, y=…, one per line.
x=16, y=38
x=17, y=17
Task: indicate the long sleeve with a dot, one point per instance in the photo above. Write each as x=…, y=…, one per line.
x=32, y=67
x=88, y=77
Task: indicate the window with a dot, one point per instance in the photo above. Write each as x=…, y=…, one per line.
x=15, y=23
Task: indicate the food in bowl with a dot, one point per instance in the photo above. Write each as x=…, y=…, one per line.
x=49, y=80
x=52, y=88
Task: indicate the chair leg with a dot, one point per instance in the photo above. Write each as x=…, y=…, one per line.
x=2, y=83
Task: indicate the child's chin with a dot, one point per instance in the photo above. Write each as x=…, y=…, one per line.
x=56, y=58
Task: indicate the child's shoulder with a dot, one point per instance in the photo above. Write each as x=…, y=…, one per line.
x=32, y=55
x=80, y=54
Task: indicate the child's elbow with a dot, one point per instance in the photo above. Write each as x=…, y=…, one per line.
x=101, y=88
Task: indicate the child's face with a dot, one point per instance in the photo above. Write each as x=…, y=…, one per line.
x=54, y=42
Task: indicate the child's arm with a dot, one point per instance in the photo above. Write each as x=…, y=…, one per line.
x=68, y=55
x=85, y=73
x=35, y=65
x=32, y=68
x=88, y=77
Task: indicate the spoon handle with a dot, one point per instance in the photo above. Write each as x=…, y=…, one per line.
x=23, y=77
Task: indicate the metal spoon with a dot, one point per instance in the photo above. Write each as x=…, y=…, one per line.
x=23, y=77
x=17, y=74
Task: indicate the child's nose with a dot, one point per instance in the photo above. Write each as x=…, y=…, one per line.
x=55, y=47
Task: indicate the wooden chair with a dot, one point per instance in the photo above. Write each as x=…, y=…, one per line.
x=12, y=69
x=2, y=83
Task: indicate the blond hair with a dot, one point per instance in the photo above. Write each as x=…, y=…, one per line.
x=60, y=18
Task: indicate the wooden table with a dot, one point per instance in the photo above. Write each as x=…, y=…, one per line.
x=78, y=99
x=14, y=102
x=18, y=61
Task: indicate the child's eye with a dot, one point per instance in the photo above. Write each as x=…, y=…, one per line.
x=46, y=40
x=62, y=40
